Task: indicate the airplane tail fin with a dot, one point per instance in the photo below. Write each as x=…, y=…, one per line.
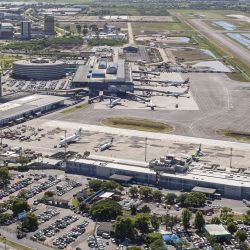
x=186, y=81
x=79, y=131
x=187, y=90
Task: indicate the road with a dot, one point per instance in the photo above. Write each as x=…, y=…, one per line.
x=236, y=49
x=163, y=55
x=130, y=34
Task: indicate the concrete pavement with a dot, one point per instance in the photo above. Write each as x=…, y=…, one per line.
x=236, y=49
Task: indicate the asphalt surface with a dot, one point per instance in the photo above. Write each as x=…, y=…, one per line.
x=223, y=104
x=236, y=49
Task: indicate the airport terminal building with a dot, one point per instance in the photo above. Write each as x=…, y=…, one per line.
x=109, y=77
x=31, y=106
x=237, y=189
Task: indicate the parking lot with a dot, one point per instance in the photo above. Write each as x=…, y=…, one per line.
x=14, y=85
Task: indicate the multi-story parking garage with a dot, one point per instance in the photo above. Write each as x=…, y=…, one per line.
x=38, y=69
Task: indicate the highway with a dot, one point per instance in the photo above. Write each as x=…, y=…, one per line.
x=236, y=49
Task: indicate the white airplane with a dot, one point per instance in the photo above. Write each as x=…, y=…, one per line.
x=73, y=138
x=179, y=94
x=106, y=145
x=176, y=84
x=151, y=104
x=114, y=102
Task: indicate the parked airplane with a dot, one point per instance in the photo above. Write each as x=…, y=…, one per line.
x=151, y=104
x=106, y=145
x=114, y=102
x=178, y=94
x=73, y=138
x=194, y=156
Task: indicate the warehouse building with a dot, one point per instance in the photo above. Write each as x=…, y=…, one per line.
x=27, y=107
x=110, y=77
x=38, y=69
x=236, y=188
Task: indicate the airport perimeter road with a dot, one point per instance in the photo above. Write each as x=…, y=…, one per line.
x=130, y=34
x=236, y=49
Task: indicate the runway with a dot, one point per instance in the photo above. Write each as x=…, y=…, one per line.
x=236, y=49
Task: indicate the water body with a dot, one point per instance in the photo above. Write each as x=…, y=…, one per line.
x=225, y=25
x=208, y=52
x=242, y=38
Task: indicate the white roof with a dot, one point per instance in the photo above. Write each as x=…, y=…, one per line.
x=107, y=195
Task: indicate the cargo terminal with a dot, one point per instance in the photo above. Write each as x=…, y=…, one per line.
x=19, y=110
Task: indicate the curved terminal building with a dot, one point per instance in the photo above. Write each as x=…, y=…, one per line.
x=38, y=69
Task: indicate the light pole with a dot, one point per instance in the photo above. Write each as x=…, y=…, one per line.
x=4, y=242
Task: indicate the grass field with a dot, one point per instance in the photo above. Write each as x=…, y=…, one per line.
x=14, y=245
x=191, y=55
x=154, y=27
x=211, y=14
x=75, y=202
x=137, y=124
x=237, y=135
x=75, y=108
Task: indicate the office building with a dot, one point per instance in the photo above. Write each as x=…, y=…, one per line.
x=49, y=25
x=26, y=30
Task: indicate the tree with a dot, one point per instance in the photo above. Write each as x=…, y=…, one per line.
x=95, y=184
x=157, y=195
x=152, y=237
x=49, y=193
x=105, y=210
x=133, y=191
x=133, y=210
x=216, y=220
x=30, y=222
x=195, y=199
x=199, y=221
x=78, y=28
x=134, y=248
x=22, y=193
x=5, y=217
x=22, y=159
x=181, y=199
x=145, y=209
x=4, y=175
x=231, y=227
x=186, y=216
x=226, y=214
x=124, y=228
x=158, y=245
x=247, y=216
x=241, y=235
x=19, y=205
x=170, y=198
x=145, y=192
x=155, y=221
x=142, y=223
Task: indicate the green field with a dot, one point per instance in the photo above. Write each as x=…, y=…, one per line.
x=211, y=14
x=14, y=245
x=191, y=55
x=137, y=124
x=154, y=27
x=75, y=108
x=237, y=135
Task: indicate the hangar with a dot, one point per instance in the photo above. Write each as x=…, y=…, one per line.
x=34, y=105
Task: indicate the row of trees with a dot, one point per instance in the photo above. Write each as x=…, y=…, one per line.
x=192, y=199
x=96, y=184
